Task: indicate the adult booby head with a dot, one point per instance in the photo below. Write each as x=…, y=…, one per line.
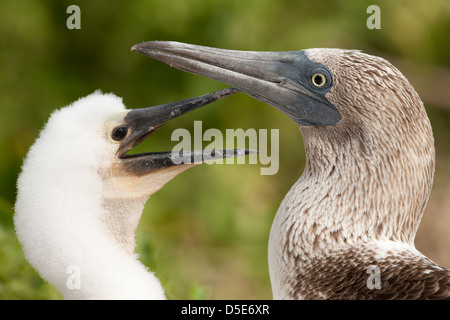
x=368, y=175
x=80, y=195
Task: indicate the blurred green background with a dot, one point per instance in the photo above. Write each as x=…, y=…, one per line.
x=205, y=233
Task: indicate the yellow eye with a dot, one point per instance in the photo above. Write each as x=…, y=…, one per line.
x=319, y=79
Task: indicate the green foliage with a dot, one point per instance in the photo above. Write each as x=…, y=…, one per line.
x=204, y=234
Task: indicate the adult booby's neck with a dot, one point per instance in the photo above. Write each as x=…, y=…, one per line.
x=355, y=188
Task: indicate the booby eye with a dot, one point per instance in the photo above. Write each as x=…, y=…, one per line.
x=319, y=79
x=119, y=133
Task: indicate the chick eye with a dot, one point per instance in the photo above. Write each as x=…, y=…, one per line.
x=319, y=79
x=119, y=133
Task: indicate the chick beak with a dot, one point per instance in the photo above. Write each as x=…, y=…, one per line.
x=141, y=123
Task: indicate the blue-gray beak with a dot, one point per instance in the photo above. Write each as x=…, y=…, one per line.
x=282, y=79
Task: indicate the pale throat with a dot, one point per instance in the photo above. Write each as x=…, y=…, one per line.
x=123, y=199
x=350, y=193
x=121, y=218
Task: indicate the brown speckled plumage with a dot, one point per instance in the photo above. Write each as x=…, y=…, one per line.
x=365, y=186
x=369, y=169
x=344, y=275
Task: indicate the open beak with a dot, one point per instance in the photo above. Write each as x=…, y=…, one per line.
x=281, y=79
x=138, y=124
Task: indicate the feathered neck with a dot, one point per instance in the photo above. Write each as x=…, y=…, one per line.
x=64, y=222
x=356, y=187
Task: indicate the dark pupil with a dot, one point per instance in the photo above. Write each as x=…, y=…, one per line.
x=318, y=80
x=119, y=133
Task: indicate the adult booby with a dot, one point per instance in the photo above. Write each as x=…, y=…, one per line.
x=346, y=229
x=80, y=195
